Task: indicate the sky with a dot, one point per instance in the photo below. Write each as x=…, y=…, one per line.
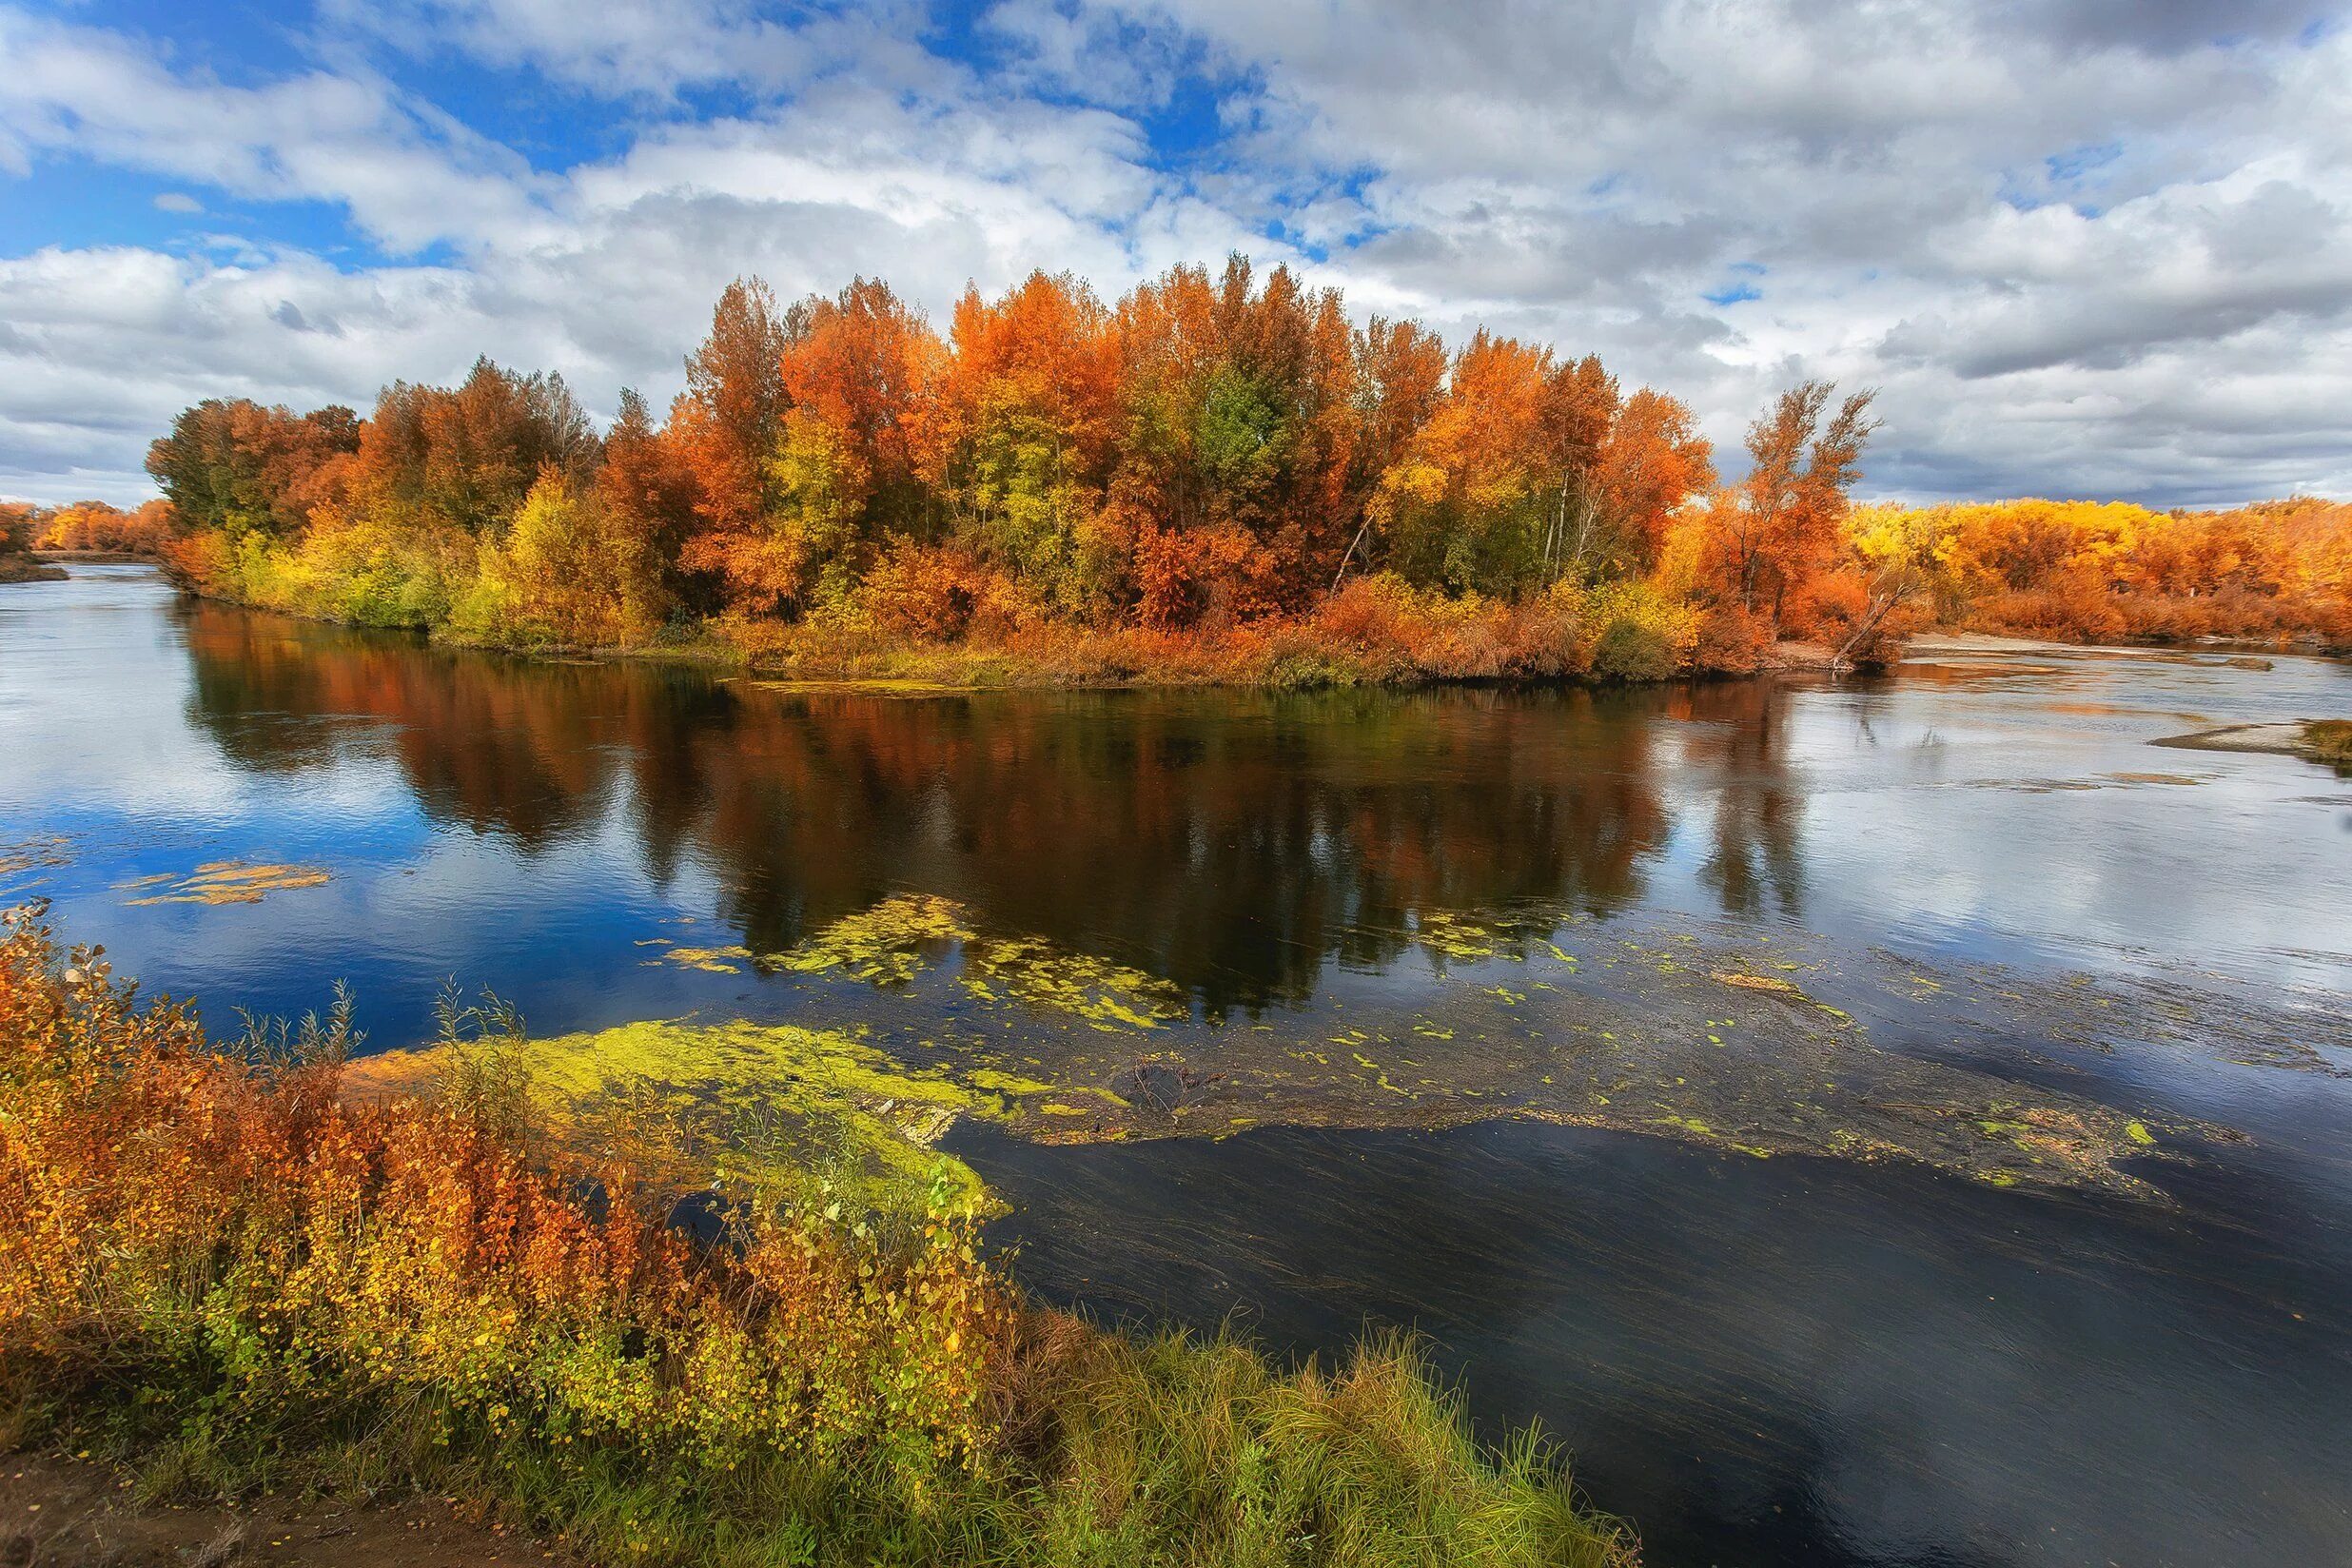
x=2082, y=247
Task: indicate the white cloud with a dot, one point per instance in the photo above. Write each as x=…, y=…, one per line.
x=2080, y=246
x=408, y=177
x=1589, y=173
x=652, y=48
x=178, y=201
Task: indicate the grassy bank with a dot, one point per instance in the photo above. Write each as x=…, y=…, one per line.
x=217, y=1270
x=2328, y=740
x=17, y=566
x=1376, y=631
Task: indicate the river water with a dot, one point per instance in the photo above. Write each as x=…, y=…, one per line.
x=1872, y=1122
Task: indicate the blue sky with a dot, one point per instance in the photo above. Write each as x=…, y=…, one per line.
x=2081, y=247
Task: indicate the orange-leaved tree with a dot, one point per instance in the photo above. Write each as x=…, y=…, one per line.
x=1773, y=531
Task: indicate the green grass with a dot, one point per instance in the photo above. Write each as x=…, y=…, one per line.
x=1171, y=1449
x=220, y=1275
x=2329, y=740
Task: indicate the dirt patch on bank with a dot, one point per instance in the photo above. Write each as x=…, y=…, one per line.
x=64, y=1513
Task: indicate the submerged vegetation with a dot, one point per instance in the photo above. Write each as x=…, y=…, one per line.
x=218, y=1266
x=1669, y=1037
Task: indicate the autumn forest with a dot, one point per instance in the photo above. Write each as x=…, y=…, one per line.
x=1218, y=477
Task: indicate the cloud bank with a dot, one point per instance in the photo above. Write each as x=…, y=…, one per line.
x=2083, y=246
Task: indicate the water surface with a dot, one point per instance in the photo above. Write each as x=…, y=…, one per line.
x=1779, y=1269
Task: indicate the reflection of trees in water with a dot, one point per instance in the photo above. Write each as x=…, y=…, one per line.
x=1232, y=843
x=1753, y=862
x=496, y=745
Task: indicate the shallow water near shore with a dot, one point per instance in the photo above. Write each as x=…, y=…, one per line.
x=1880, y=1121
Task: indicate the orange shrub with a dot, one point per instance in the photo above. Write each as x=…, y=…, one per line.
x=1731, y=641
x=1185, y=574
x=223, y=1222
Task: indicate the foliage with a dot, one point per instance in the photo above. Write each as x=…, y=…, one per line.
x=567, y=572
x=1772, y=533
x=2328, y=740
x=1185, y=483
x=17, y=564
x=215, y=1262
x=235, y=467
x=2089, y=571
x=1196, y=478
x=230, y=1224
x=1211, y=459
x=93, y=526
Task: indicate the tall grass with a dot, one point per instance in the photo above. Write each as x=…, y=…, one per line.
x=216, y=1270
x=2329, y=740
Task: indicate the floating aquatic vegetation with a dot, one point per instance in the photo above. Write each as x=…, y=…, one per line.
x=1471, y=937
x=224, y=882
x=1107, y=996
x=739, y=1103
x=884, y=945
x=1457, y=936
x=724, y=960
x=1702, y=1036
x=1772, y=985
x=1640, y=1041
x=888, y=944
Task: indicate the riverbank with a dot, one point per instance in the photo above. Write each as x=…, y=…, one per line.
x=1376, y=633
x=58, y=1512
x=2327, y=741
x=17, y=566
x=223, y=1278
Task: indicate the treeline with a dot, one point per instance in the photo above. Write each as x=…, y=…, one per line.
x=87, y=527
x=1216, y=476
x=1218, y=471
x=2092, y=571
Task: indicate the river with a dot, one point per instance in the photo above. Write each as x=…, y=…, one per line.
x=1891, y=1121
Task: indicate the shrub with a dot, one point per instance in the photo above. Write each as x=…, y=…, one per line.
x=2329, y=740
x=1630, y=650
x=211, y=1260
x=1731, y=641
x=225, y=1226
x=565, y=574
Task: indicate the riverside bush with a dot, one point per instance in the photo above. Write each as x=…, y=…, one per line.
x=217, y=1267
